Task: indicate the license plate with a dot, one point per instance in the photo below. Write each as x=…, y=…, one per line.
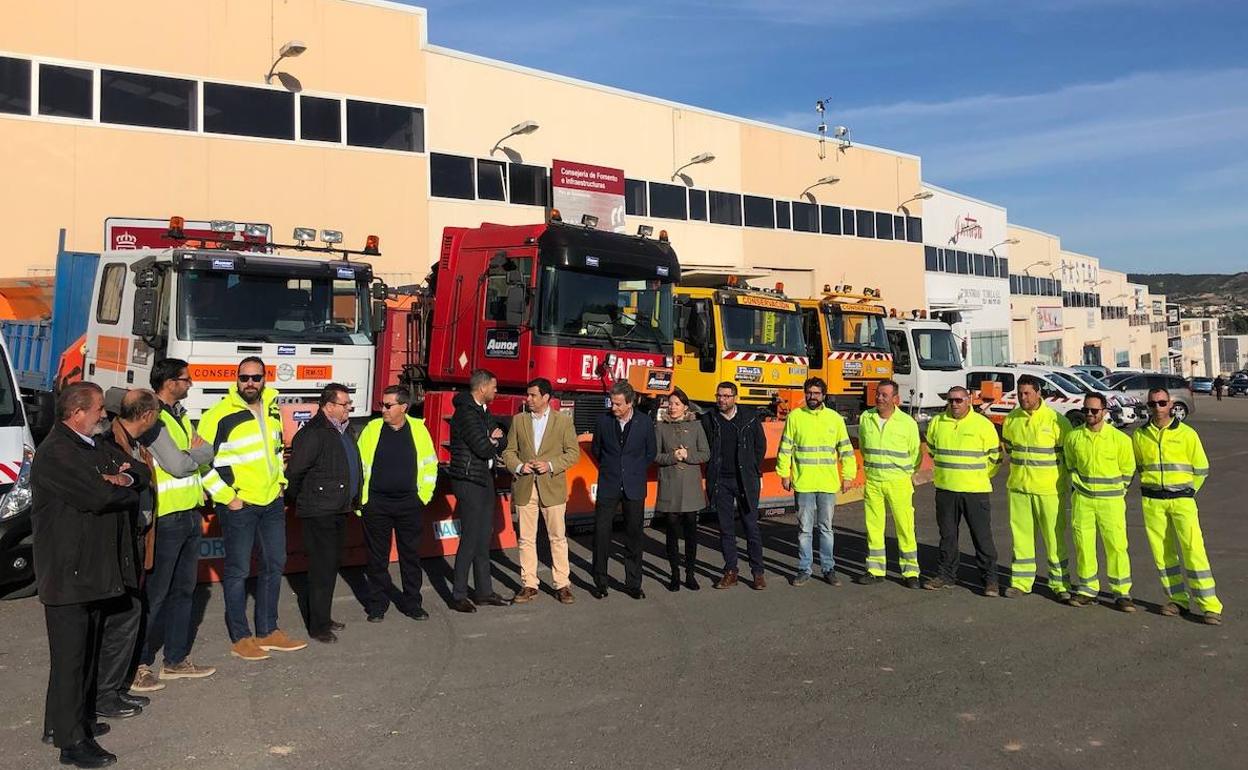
x=852, y=369
x=750, y=373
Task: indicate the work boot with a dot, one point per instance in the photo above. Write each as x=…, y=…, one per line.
x=146, y=681
x=1212, y=619
x=992, y=590
x=1080, y=600
x=728, y=580
x=913, y=583
x=1124, y=604
x=936, y=583
x=831, y=577
x=801, y=579
x=759, y=583
x=867, y=579
x=247, y=648
x=278, y=640
x=1171, y=610
x=185, y=670
x=1012, y=593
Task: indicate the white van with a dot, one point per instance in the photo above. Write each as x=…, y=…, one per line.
x=927, y=362
x=16, y=451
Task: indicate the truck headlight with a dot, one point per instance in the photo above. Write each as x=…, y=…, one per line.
x=17, y=499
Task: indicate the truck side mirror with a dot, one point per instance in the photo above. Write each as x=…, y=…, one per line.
x=146, y=313
x=379, y=317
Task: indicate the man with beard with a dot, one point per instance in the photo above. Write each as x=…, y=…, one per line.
x=246, y=482
x=734, y=480
x=84, y=490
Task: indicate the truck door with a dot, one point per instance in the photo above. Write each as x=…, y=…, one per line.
x=695, y=351
x=112, y=351
x=903, y=370
x=505, y=342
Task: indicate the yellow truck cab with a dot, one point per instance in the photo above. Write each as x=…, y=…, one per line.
x=730, y=331
x=847, y=346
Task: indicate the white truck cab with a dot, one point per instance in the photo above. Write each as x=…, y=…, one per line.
x=927, y=362
x=16, y=452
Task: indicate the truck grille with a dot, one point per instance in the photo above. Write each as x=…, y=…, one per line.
x=588, y=408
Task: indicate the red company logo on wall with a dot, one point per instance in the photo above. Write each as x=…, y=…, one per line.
x=578, y=189
x=125, y=234
x=966, y=226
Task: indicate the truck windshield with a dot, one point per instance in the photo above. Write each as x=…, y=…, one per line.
x=756, y=330
x=619, y=311
x=856, y=331
x=227, y=306
x=936, y=350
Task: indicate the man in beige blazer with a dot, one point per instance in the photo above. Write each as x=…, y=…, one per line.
x=541, y=447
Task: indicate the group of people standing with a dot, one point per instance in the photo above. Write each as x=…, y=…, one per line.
x=117, y=520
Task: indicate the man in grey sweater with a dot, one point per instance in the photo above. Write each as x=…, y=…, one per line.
x=177, y=455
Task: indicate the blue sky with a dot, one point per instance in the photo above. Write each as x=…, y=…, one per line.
x=1120, y=125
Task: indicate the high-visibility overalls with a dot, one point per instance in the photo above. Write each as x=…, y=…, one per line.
x=1035, y=485
x=890, y=456
x=1100, y=464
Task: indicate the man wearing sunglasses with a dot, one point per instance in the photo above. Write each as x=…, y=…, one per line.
x=246, y=481
x=1173, y=468
x=1033, y=435
x=1101, y=462
x=966, y=454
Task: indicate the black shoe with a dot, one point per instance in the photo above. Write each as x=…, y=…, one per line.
x=463, y=605
x=87, y=753
x=912, y=583
x=115, y=708
x=691, y=582
x=97, y=729
x=673, y=585
x=134, y=700
x=416, y=613
x=636, y=593
x=335, y=625
x=376, y=617
x=493, y=600
x=599, y=592
x=866, y=579
x=325, y=637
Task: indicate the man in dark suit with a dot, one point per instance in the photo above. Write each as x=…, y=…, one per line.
x=624, y=445
x=84, y=490
x=734, y=479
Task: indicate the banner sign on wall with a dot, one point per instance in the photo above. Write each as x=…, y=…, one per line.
x=579, y=188
x=123, y=233
x=1048, y=319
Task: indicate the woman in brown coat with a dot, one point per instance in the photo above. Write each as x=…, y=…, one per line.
x=682, y=450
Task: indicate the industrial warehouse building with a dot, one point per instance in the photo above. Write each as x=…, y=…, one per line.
x=372, y=130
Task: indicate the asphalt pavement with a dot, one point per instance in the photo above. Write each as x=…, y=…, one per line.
x=816, y=676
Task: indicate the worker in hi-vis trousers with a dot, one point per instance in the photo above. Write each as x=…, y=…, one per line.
x=1100, y=462
x=1033, y=435
x=889, y=440
x=1173, y=468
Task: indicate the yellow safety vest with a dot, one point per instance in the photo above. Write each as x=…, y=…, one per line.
x=890, y=449
x=175, y=494
x=1170, y=459
x=966, y=453
x=248, y=460
x=426, y=469
x=1101, y=463
x=814, y=441
x=1034, y=442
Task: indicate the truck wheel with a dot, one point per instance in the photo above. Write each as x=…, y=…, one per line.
x=21, y=592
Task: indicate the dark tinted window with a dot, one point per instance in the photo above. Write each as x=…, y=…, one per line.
x=320, y=119
x=147, y=100
x=725, y=208
x=847, y=221
x=66, y=92
x=914, y=230
x=450, y=176
x=759, y=212
x=782, y=215
x=901, y=351
x=527, y=184
x=883, y=226
x=979, y=265
x=899, y=227
x=491, y=180
x=385, y=126
x=930, y=258
x=667, y=201
x=1177, y=383
x=830, y=220
x=866, y=224
x=963, y=263
x=1003, y=267
x=14, y=86
x=244, y=111
x=805, y=217
x=697, y=205
x=635, y=197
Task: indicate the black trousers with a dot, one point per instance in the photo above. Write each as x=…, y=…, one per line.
x=73, y=645
x=402, y=521
x=976, y=508
x=474, y=507
x=323, y=540
x=119, y=640
x=687, y=524
x=634, y=517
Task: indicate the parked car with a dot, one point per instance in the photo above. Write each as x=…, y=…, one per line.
x=1237, y=385
x=1124, y=411
x=1138, y=385
x=1058, y=390
x=1202, y=385
x=1096, y=370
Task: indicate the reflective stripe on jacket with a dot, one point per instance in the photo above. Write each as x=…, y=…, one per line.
x=175, y=494
x=1101, y=463
x=813, y=443
x=426, y=470
x=1170, y=459
x=966, y=453
x=890, y=451
x=1034, y=442
x=248, y=461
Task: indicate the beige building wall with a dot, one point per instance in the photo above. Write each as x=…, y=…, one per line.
x=1038, y=254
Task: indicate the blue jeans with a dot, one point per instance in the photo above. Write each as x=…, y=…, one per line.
x=170, y=586
x=807, y=504
x=241, y=529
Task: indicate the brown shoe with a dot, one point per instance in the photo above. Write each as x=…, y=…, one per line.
x=759, y=582
x=1171, y=610
x=1080, y=600
x=278, y=640
x=186, y=670
x=564, y=595
x=1211, y=619
x=524, y=595
x=728, y=580
x=248, y=648
x=146, y=681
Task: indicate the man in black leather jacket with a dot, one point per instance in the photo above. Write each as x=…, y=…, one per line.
x=325, y=478
x=475, y=441
x=734, y=479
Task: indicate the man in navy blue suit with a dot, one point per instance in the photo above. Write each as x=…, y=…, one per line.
x=624, y=446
